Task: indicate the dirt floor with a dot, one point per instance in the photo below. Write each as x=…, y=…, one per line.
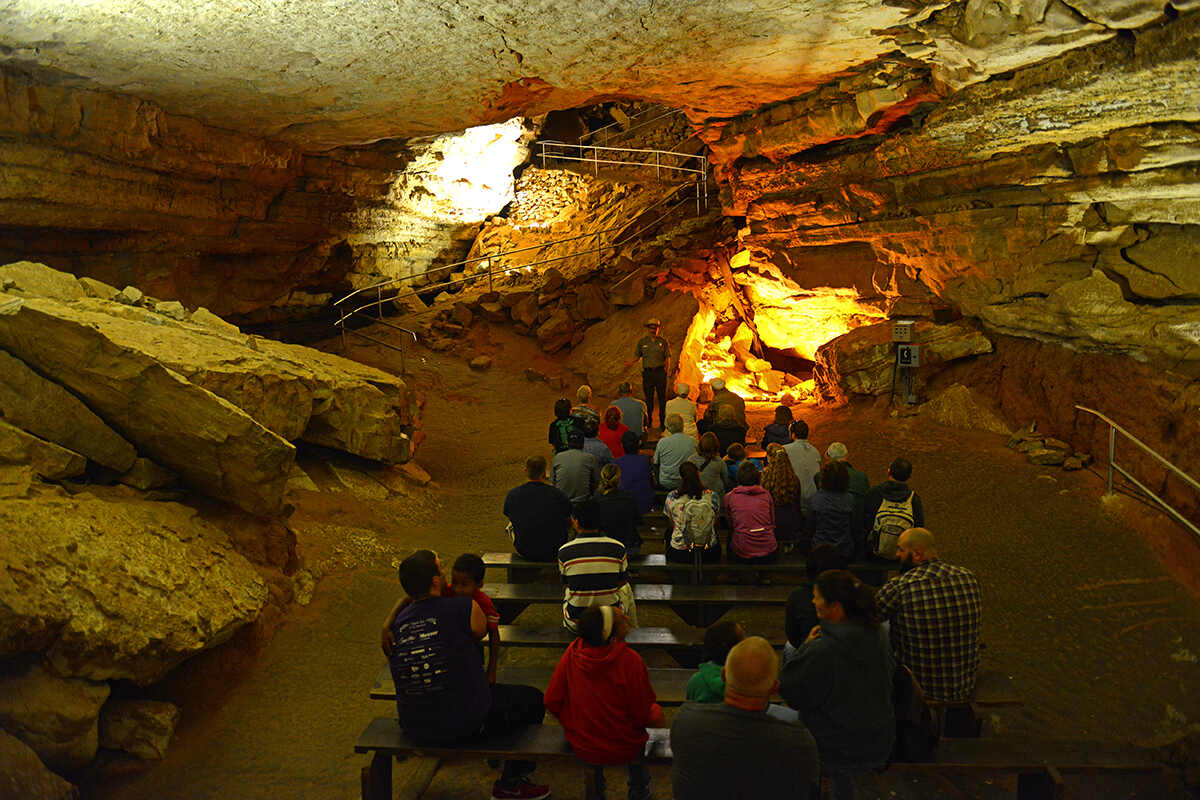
x=1100, y=640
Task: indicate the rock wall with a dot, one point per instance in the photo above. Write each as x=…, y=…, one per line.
x=112, y=187
x=1059, y=202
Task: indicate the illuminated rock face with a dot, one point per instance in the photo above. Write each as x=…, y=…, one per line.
x=1060, y=203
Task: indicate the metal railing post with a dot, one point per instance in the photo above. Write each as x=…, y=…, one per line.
x=1112, y=450
x=379, y=302
x=543, y=155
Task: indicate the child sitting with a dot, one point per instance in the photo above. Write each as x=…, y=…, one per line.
x=707, y=685
x=466, y=580
x=601, y=693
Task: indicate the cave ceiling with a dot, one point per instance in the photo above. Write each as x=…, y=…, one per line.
x=322, y=74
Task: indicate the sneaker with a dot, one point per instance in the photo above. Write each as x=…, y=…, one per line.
x=523, y=789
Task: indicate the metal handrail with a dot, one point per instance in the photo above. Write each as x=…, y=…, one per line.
x=378, y=303
x=1113, y=429
x=603, y=128
x=547, y=144
x=380, y=285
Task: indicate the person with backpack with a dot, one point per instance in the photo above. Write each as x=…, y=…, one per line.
x=692, y=510
x=841, y=682
x=563, y=424
x=889, y=509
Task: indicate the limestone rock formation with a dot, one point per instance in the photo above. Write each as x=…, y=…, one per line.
x=863, y=361
x=219, y=450
x=47, y=459
x=142, y=728
x=958, y=407
x=45, y=409
x=118, y=590
x=608, y=345
x=56, y=717
x=24, y=777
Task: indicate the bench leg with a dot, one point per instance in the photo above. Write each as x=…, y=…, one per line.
x=377, y=778
x=1047, y=785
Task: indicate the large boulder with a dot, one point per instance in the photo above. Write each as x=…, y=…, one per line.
x=118, y=590
x=57, y=717
x=958, y=407
x=23, y=776
x=142, y=728
x=863, y=361
x=214, y=445
x=49, y=411
x=608, y=345
x=47, y=459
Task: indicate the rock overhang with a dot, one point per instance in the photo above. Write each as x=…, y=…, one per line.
x=323, y=74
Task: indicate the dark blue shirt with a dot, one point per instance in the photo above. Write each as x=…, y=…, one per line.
x=635, y=479
x=442, y=693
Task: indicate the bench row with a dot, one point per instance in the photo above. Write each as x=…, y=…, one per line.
x=1037, y=763
x=658, y=561
x=992, y=689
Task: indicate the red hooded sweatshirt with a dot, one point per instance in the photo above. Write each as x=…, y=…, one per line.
x=604, y=700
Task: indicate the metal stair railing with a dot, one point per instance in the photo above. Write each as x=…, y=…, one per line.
x=1113, y=466
x=379, y=287
x=605, y=133
x=596, y=155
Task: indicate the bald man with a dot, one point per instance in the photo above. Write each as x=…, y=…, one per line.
x=735, y=748
x=935, y=609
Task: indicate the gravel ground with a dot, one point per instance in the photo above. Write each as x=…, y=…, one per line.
x=1100, y=641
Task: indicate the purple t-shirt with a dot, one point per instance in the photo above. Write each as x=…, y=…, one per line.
x=442, y=693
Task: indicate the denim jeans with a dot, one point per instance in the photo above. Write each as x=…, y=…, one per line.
x=638, y=780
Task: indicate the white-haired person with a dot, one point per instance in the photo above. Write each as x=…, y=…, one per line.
x=685, y=408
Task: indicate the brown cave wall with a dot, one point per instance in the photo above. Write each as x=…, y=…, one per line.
x=1043, y=382
x=112, y=187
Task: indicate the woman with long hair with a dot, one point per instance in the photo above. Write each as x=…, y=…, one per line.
x=841, y=681
x=780, y=480
x=692, y=510
x=830, y=518
x=617, y=511
x=713, y=472
x=612, y=429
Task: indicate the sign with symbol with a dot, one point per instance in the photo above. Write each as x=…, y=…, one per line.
x=908, y=355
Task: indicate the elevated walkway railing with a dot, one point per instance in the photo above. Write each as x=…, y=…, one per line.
x=661, y=161
x=379, y=288
x=1113, y=466
x=606, y=133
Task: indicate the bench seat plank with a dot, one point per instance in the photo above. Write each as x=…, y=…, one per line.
x=559, y=637
x=670, y=684
x=659, y=561
x=649, y=593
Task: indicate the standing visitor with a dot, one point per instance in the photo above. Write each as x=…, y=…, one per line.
x=655, y=353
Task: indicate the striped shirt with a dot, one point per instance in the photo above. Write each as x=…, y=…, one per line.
x=593, y=569
x=935, y=609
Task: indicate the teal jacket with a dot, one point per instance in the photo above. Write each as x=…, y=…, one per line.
x=706, y=686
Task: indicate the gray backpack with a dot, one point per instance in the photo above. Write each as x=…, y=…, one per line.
x=893, y=518
x=698, y=522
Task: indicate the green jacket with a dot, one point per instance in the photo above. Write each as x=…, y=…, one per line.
x=706, y=686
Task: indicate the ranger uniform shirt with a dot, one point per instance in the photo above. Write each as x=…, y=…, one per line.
x=653, y=351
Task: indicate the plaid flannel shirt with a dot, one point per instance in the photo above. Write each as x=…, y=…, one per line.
x=935, y=609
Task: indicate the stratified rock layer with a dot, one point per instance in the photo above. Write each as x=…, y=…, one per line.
x=216, y=446
x=118, y=590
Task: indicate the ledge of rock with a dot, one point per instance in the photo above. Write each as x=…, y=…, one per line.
x=118, y=590
x=863, y=361
x=22, y=774
x=56, y=717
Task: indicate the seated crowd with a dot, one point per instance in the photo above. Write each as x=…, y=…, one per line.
x=845, y=639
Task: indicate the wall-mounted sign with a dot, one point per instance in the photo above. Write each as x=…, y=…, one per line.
x=908, y=355
x=902, y=330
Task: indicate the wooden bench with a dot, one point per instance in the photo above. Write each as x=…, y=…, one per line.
x=872, y=573
x=964, y=718
x=670, y=683
x=700, y=605
x=686, y=647
x=1039, y=764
